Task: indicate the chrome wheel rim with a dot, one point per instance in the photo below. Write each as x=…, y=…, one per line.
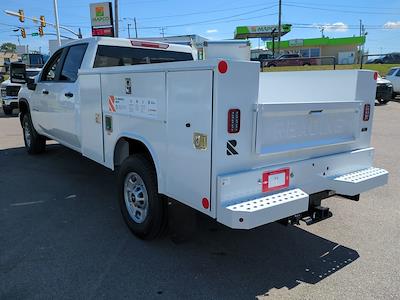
x=27, y=134
x=136, y=197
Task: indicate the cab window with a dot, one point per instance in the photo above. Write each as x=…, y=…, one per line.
x=110, y=56
x=72, y=62
x=49, y=72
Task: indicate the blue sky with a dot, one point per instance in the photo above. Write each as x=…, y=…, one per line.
x=217, y=19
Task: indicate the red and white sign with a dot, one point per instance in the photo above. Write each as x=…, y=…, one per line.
x=275, y=180
x=103, y=31
x=111, y=103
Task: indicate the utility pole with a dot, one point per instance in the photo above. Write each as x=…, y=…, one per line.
x=57, y=23
x=116, y=17
x=360, y=27
x=279, y=26
x=129, y=31
x=162, y=31
x=134, y=20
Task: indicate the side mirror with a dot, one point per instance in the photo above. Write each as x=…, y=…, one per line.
x=18, y=72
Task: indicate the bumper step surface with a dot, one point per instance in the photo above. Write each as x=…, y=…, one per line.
x=356, y=182
x=253, y=213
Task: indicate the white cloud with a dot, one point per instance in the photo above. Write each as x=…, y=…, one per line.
x=336, y=27
x=212, y=31
x=392, y=25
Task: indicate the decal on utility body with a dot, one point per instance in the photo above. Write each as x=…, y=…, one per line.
x=230, y=147
x=128, y=86
x=134, y=106
x=111, y=103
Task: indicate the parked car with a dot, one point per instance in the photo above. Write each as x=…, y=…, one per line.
x=394, y=76
x=384, y=90
x=289, y=60
x=391, y=58
x=9, y=92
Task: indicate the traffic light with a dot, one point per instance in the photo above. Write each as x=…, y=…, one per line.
x=41, y=33
x=23, y=33
x=42, y=21
x=21, y=15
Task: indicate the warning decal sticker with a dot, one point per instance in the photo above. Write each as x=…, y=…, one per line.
x=111, y=103
x=134, y=106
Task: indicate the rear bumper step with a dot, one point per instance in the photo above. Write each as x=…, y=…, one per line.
x=360, y=181
x=256, y=212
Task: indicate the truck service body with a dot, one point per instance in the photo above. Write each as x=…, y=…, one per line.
x=244, y=147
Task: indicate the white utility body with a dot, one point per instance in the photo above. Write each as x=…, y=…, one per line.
x=244, y=147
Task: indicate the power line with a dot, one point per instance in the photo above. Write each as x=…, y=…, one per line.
x=339, y=10
x=202, y=12
x=340, y=5
x=210, y=20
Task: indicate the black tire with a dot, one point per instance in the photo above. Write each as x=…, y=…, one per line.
x=151, y=224
x=306, y=64
x=271, y=65
x=383, y=101
x=7, y=111
x=34, y=142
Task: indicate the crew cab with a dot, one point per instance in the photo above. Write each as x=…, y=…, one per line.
x=9, y=92
x=216, y=135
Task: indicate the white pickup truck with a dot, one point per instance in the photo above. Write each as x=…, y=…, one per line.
x=244, y=147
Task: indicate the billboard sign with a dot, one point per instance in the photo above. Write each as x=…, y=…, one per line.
x=101, y=17
x=261, y=31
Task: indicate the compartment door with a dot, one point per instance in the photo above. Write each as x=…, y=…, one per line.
x=91, y=117
x=189, y=121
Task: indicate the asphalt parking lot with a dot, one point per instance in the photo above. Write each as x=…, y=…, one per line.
x=62, y=236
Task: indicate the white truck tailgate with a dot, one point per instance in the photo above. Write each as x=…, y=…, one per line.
x=287, y=127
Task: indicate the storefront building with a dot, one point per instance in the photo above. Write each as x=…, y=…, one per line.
x=345, y=50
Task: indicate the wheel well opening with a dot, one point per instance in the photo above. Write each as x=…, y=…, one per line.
x=126, y=147
x=23, y=109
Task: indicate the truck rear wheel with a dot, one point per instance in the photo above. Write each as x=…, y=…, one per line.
x=143, y=209
x=34, y=142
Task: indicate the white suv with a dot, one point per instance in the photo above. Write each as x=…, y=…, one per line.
x=9, y=92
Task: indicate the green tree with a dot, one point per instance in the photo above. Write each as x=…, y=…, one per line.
x=9, y=47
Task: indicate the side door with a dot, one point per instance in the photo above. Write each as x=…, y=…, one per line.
x=189, y=120
x=43, y=99
x=66, y=117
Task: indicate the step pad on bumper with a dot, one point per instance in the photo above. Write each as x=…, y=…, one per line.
x=356, y=182
x=253, y=213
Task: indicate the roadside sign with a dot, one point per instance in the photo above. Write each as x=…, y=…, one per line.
x=102, y=31
x=34, y=34
x=101, y=18
x=261, y=31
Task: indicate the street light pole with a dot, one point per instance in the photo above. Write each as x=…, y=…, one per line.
x=116, y=17
x=57, y=24
x=134, y=20
x=279, y=26
x=129, y=31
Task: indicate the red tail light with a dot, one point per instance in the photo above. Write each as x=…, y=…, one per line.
x=234, y=120
x=149, y=44
x=367, y=112
x=376, y=75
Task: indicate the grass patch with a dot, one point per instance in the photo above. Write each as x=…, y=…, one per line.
x=381, y=68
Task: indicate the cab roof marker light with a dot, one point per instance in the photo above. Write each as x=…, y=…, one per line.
x=149, y=44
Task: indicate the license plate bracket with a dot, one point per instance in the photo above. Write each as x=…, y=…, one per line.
x=275, y=180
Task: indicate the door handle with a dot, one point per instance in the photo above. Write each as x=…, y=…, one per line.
x=69, y=95
x=46, y=92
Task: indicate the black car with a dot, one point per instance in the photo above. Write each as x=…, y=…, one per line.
x=391, y=58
